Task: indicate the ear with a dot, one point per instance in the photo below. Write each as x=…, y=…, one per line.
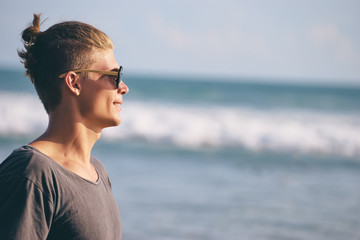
x=72, y=81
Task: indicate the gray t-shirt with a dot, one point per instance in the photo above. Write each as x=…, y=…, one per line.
x=40, y=199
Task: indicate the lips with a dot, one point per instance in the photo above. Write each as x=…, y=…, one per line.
x=117, y=104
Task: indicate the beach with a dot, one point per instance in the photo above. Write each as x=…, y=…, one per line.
x=198, y=158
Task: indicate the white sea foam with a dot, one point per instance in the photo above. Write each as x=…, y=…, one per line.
x=206, y=126
x=21, y=114
x=277, y=130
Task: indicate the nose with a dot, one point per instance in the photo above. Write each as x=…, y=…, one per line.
x=123, y=88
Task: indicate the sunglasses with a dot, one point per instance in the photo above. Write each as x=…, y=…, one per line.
x=110, y=73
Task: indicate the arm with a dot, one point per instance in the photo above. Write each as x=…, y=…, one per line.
x=25, y=210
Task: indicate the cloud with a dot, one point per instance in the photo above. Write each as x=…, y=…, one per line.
x=172, y=35
x=278, y=38
x=229, y=40
x=328, y=37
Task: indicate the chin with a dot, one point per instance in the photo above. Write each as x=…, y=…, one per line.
x=117, y=121
x=111, y=122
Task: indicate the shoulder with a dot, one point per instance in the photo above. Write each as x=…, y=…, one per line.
x=25, y=161
x=27, y=165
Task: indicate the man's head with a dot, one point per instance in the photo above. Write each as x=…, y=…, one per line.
x=63, y=47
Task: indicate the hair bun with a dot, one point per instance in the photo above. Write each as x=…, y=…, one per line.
x=29, y=34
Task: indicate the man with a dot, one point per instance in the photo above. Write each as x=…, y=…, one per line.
x=53, y=188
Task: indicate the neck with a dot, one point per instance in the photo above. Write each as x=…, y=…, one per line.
x=67, y=139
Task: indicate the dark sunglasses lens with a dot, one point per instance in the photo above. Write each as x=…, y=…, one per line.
x=119, y=77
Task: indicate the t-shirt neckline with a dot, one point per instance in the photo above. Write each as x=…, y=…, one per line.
x=67, y=170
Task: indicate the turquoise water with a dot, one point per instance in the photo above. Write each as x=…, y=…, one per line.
x=218, y=159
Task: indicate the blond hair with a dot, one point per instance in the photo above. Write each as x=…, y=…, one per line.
x=62, y=47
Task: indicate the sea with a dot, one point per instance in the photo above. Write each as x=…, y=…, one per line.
x=216, y=158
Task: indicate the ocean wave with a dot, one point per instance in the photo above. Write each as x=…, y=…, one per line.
x=22, y=114
x=287, y=130
x=257, y=130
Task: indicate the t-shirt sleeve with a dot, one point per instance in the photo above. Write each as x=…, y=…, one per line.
x=25, y=209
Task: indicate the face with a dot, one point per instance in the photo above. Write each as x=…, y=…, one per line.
x=99, y=100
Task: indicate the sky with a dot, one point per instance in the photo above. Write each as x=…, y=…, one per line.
x=315, y=41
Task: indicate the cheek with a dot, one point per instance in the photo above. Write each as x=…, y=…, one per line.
x=101, y=103
x=89, y=102
x=95, y=100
